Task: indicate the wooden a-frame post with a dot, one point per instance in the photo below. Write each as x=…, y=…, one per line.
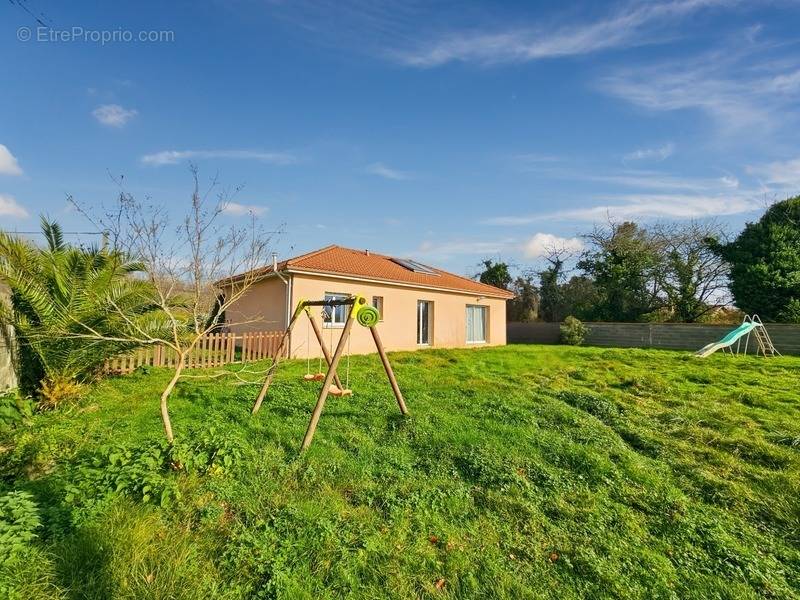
x=387, y=366
x=326, y=385
x=333, y=361
x=323, y=394
x=274, y=366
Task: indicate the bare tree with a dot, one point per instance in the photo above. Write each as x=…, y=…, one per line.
x=691, y=275
x=197, y=268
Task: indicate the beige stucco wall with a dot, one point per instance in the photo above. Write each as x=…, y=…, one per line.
x=262, y=308
x=398, y=330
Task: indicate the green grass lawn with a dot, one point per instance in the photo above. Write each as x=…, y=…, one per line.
x=523, y=472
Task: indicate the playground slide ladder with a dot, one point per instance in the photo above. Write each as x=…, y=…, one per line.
x=765, y=345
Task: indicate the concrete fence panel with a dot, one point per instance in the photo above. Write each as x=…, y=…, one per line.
x=673, y=336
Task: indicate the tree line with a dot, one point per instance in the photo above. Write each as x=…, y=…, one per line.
x=681, y=272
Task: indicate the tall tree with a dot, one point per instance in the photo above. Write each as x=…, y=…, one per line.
x=691, y=276
x=624, y=263
x=551, y=303
x=765, y=264
x=524, y=307
x=561, y=297
x=495, y=273
x=580, y=297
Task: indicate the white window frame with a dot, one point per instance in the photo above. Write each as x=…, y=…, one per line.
x=334, y=323
x=378, y=305
x=484, y=310
x=419, y=323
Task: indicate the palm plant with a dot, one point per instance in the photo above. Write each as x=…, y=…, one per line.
x=71, y=309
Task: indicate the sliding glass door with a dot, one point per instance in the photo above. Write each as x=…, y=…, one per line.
x=476, y=324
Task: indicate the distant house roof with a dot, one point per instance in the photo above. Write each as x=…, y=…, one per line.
x=366, y=265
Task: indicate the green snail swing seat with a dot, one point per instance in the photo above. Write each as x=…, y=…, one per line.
x=365, y=315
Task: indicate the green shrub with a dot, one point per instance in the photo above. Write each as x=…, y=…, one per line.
x=205, y=451
x=19, y=520
x=139, y=472
x=573, y=332
x=145, y=472
x=14, y=409
x=57, y=293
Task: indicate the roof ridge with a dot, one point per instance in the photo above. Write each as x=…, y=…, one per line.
x=487, y=286
x=475, y=281
x=291, y=260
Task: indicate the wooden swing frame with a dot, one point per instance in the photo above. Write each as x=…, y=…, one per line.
x=355, y=302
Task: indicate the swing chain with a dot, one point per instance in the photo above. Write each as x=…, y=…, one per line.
x=308, y=348
x=347, y=373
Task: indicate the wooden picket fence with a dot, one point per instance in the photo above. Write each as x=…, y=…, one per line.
x=213, y=350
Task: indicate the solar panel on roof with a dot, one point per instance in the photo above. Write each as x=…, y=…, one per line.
x=413, y=265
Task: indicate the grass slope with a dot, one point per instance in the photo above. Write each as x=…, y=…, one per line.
x=523, y=472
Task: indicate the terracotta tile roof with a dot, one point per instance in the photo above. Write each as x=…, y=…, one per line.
x=337, y=260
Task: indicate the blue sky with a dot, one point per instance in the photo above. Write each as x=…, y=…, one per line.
x=448, y=131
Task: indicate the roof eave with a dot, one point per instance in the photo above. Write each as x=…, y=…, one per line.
x=499, y=294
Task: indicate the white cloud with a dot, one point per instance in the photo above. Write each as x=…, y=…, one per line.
x=659, y=154
x=463, y=247
x=669, y=206
x=174, y=157
x=657, y=195
x=740, y=88
x=784, y=174
x=786, y=83
x=382, y=170
x=645, y=206
x=633, y=24
x=238, y=210
x=653, y=180
x=8, y=162
x=9, y=207
x=729, y=102
x=542, y=243
x=668, y=198
x=113, y=115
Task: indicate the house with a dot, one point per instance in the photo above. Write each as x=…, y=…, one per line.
x=420, y=306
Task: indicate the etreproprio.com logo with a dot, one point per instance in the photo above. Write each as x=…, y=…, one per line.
x=93, y=36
